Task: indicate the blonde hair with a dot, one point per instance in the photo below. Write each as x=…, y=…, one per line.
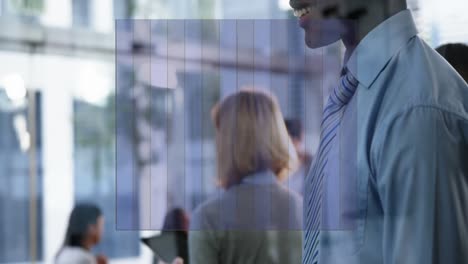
x=251, y=137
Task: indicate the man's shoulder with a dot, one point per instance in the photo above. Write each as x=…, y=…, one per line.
x=429, y=73
x=419, y=76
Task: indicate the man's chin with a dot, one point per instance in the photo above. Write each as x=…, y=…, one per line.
x=319, y=42
x=314, y=44
x=321, y=33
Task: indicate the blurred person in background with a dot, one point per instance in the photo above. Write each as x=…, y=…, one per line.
x=457, y=55
x=84, y=231
x=256, y=219
x=389, y=181
x=295, y=182
x=177, y=221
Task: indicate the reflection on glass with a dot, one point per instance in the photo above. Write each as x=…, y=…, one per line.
x=16, y=218
x=165, y=138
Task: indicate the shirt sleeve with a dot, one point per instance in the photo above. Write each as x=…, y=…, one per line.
x=421, y=176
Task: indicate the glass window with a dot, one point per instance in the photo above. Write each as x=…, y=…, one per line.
x=28, y=5
x=123, y=9
x=172, y=163
x=202, y=92
x=94, y=170
x=20, y=198
x=25, y=10
x=81, y=13
x=206, y=9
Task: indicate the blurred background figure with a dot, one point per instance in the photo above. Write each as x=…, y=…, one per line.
x=177, y=221
x=256, y=220
x=457, y=55
x=295, y=129
x=83, y=233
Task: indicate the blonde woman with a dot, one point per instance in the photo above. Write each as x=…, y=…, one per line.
x=255, y=219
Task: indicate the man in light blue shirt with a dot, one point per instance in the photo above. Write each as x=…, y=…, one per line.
x=395, y=185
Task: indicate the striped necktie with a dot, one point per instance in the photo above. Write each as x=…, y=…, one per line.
x=332, y=114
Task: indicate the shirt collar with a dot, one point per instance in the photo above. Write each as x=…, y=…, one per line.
x=377, y=48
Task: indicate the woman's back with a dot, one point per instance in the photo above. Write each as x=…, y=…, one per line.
x=257, y=221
